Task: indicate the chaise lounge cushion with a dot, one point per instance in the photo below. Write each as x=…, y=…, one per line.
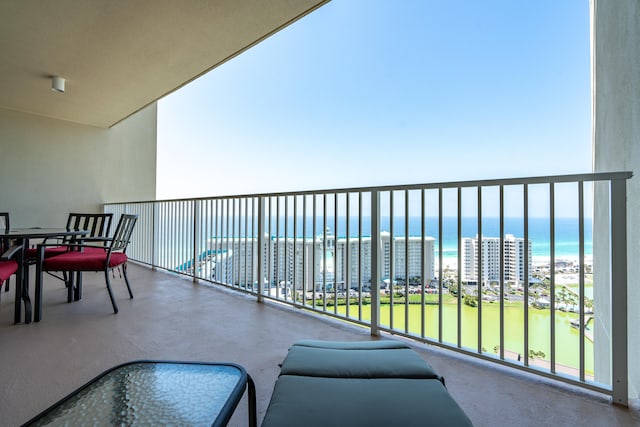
x=352, y=345
x=354, y=402
x=372, y=363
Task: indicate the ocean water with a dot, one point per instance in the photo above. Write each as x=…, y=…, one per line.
x=566, y=231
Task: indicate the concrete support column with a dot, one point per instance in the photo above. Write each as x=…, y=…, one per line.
x=615, y=31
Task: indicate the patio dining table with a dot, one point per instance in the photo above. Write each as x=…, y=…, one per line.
x=24, y=236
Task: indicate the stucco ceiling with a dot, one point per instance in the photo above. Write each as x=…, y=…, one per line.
x=118, y=56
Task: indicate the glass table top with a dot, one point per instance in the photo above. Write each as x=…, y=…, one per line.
x=152, y=393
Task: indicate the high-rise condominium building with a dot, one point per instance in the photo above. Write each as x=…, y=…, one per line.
x=514, y=259
x=323, y=262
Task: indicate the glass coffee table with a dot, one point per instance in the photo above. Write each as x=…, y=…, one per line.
x=156, y=393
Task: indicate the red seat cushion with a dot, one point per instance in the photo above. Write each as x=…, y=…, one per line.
x=7, y=268
x=92, y=259
x=32, y=253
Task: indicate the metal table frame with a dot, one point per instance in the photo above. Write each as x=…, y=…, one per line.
x=66, y=404
x=22, y=287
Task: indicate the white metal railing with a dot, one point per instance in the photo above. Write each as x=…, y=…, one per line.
x=497, y=269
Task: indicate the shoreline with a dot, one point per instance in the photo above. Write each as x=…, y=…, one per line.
x=451, y=262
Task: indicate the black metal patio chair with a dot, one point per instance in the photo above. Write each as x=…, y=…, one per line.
x=95, y=254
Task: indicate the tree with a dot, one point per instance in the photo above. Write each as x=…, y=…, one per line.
x=471, y=301
x=537, y=354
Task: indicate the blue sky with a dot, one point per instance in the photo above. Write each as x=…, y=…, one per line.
x=373, y=92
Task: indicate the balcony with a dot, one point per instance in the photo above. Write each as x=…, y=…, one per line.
x=45, y=361
x=173, y=318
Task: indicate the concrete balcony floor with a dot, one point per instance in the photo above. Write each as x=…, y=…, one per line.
x=170, y=318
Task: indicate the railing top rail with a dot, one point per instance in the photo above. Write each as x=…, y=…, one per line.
x=556, y=179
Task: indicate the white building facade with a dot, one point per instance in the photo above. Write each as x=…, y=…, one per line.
x=321, y=263
x=514, y=259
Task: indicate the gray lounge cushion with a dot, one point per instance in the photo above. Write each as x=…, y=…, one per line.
x=354, y=402
x=352, y=345
x=374, y=363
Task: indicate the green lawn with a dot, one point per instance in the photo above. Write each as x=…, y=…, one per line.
x=567, y=338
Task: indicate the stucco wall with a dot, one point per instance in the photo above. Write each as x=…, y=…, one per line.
x=616, y=147
x=49, y=167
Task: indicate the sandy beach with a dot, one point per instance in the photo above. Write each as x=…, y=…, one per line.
x=451, y=262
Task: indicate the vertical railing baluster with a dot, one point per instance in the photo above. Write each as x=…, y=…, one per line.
x=277, y=249
x=440, y=266
x=526, y=274
x=480, y=269
x=226, y=233
x=235, y=242
x=189, y=232
x=305, y=257
x=205, y=236
x=581, y=276
x=235, y=214
x=392, y=258
x=406, y=261
x=184, y=225
x=173, y=237
x=216, y=243
x=334, y=258
x=324, y=252
x=313, y=249
x=155, y=235
x=159, y=228
x=167, y=228
x=552, y=273
x=347, y=253
x=231, y=239
x=261, y=246
x=246, y=242
x=375, y=263
x=230, y=252
x=163, y=228
x=423, y=264
x=223, y=243
x=220, y=254
x=230, y=249
x=255, y=253
x=210, y=238
x=271, y=261
x=286, y=246
x=195, y=208
x=360, y=255
x=294, y=283
x=459, y=296
x=180, y=234
x=502, y=266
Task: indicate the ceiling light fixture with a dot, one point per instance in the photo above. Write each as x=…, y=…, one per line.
x=57, y=84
